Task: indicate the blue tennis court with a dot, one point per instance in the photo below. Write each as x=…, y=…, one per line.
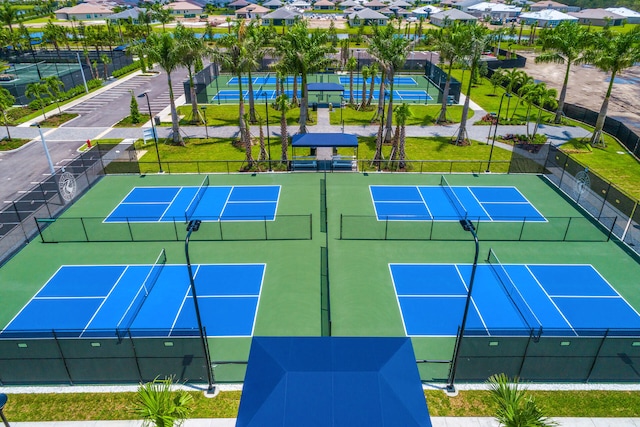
x=233, y=95
x=148, y=300
x=345, y=80
x=262, y=80
x=450, y=203
x=559, y=300
x=207, y=203
x=398, y=95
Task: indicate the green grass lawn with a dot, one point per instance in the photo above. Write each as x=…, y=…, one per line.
x=228, y=114
x=474, y=403
x=421, y=115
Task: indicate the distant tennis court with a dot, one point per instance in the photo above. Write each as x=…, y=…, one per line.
x=557, y=300
x=447, y=203
x=208, y=203
x=96, y=300
x=345, y=80
x=262, y=80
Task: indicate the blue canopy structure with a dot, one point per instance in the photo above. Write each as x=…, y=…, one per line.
x=332, y=381
x=315, y=140
x=325, y=87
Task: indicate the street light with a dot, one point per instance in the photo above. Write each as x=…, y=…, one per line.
x=194, y=225
x=467, y=225
x=46, y=149
x=153, y=129
x=342, y=105
x=495, y=131
x=266, y=106
x=204, y=116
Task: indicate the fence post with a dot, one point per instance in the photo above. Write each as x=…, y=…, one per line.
x=340, y=226
x=64, y=360
x=524, y=355
x=604, y=200
x=86, y=236
x=597, y=355
x=135, y=355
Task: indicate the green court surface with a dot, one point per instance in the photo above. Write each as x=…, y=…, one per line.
x=293, y=298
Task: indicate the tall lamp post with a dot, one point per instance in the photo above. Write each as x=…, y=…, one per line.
x=153, y=129
x=46, y=150
x=342, y=105
x=194, y=225
x=495, y=131
x=204, y=116
x=467, y=225
x=266, y=107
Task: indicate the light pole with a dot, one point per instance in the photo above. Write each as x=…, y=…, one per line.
x=467, y=225
x=204, y=116
x=46, y=150
x=342, y=105
x=153, y=129
x=194, y=225
x=495, y=131
x=266, y=107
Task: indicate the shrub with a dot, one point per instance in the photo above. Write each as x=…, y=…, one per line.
x=126, y=70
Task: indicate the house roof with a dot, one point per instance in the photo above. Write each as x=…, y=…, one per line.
x=394, y=10
x=374, y=3
x=367, y=13
x=273, y=3
x=300, y=3
x=400, y=3
x=348, y=3
x=239, y=3
x=596, y=14
x=454, y=15
x=494, y=7
x=85, y=8
x=324, y=3
x=549, y=4
x=548, y=15
x=253, y=8
x=126, y=14
x=623, y=11
x=283, y=13
x=182, y=5
x=424, y=10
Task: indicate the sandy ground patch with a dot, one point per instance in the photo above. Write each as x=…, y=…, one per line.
x=588, y=86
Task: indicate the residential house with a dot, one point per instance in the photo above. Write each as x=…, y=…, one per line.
x=273, y=4
x=366, y=16
x=545, y=18
x=131, y=15
x=238, y=4
x=252, y=11
x=425, y=11
x=447, y=17
x=395, y=11
x=324, y=5
x=83, y=12
x=285, y=16
x=347, y=4
x=301, y=4
x=495, y=11
x=631, y=16
x=183, y=8
x=374, y=5
x=598, y=17
x=554, y=5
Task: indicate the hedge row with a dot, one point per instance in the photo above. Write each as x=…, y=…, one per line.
x=126, y=70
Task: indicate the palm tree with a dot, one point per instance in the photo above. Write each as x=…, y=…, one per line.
x=165, y=50
x=257, y=40
x=38, y=91
x=160, y=406
x=105, y=64
x=525, y=82
x=449, y=42
x=391, y=53
x=192, y=50
x=263, y=151
x=565, y=44
x=6, y=102
x=515, y=407
x=306, y=52
x=402, y=114
x=55, y=86
x=365, y=76
x=352, y=64
x=512, y=80
x=612, y=53
x=478, y=38
x=8, y=15
x=54, y=34
x=283, y=105
x=234, y=57
x=373, y=73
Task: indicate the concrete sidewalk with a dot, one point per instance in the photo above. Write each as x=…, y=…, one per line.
x=436, y=421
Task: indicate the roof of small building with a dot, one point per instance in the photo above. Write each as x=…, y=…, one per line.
x=85, y=8
x=623, y=11
x=283, y=13
x=548, y=15
x=454, y=15
x=133, y=13
x=367, y=13
x=596, y=14
x=324, y=3
x=548, y=3
x=374, y=3
x=495, y=7
x=182, y=5
x=253, y=8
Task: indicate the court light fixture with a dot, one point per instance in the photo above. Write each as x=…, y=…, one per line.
x=466, y=225
x=153, y=128
x=194, y=225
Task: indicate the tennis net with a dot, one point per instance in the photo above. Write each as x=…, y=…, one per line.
x=513, y=292
x=453, y=198
x=147, y=285
x=193, y=205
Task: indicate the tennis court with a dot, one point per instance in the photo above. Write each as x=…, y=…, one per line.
x=345, y=80
x=208, y=203
x=96, y=300
x=262, y=80
x=118, y=293
x=509, y=300
x=447, y=203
